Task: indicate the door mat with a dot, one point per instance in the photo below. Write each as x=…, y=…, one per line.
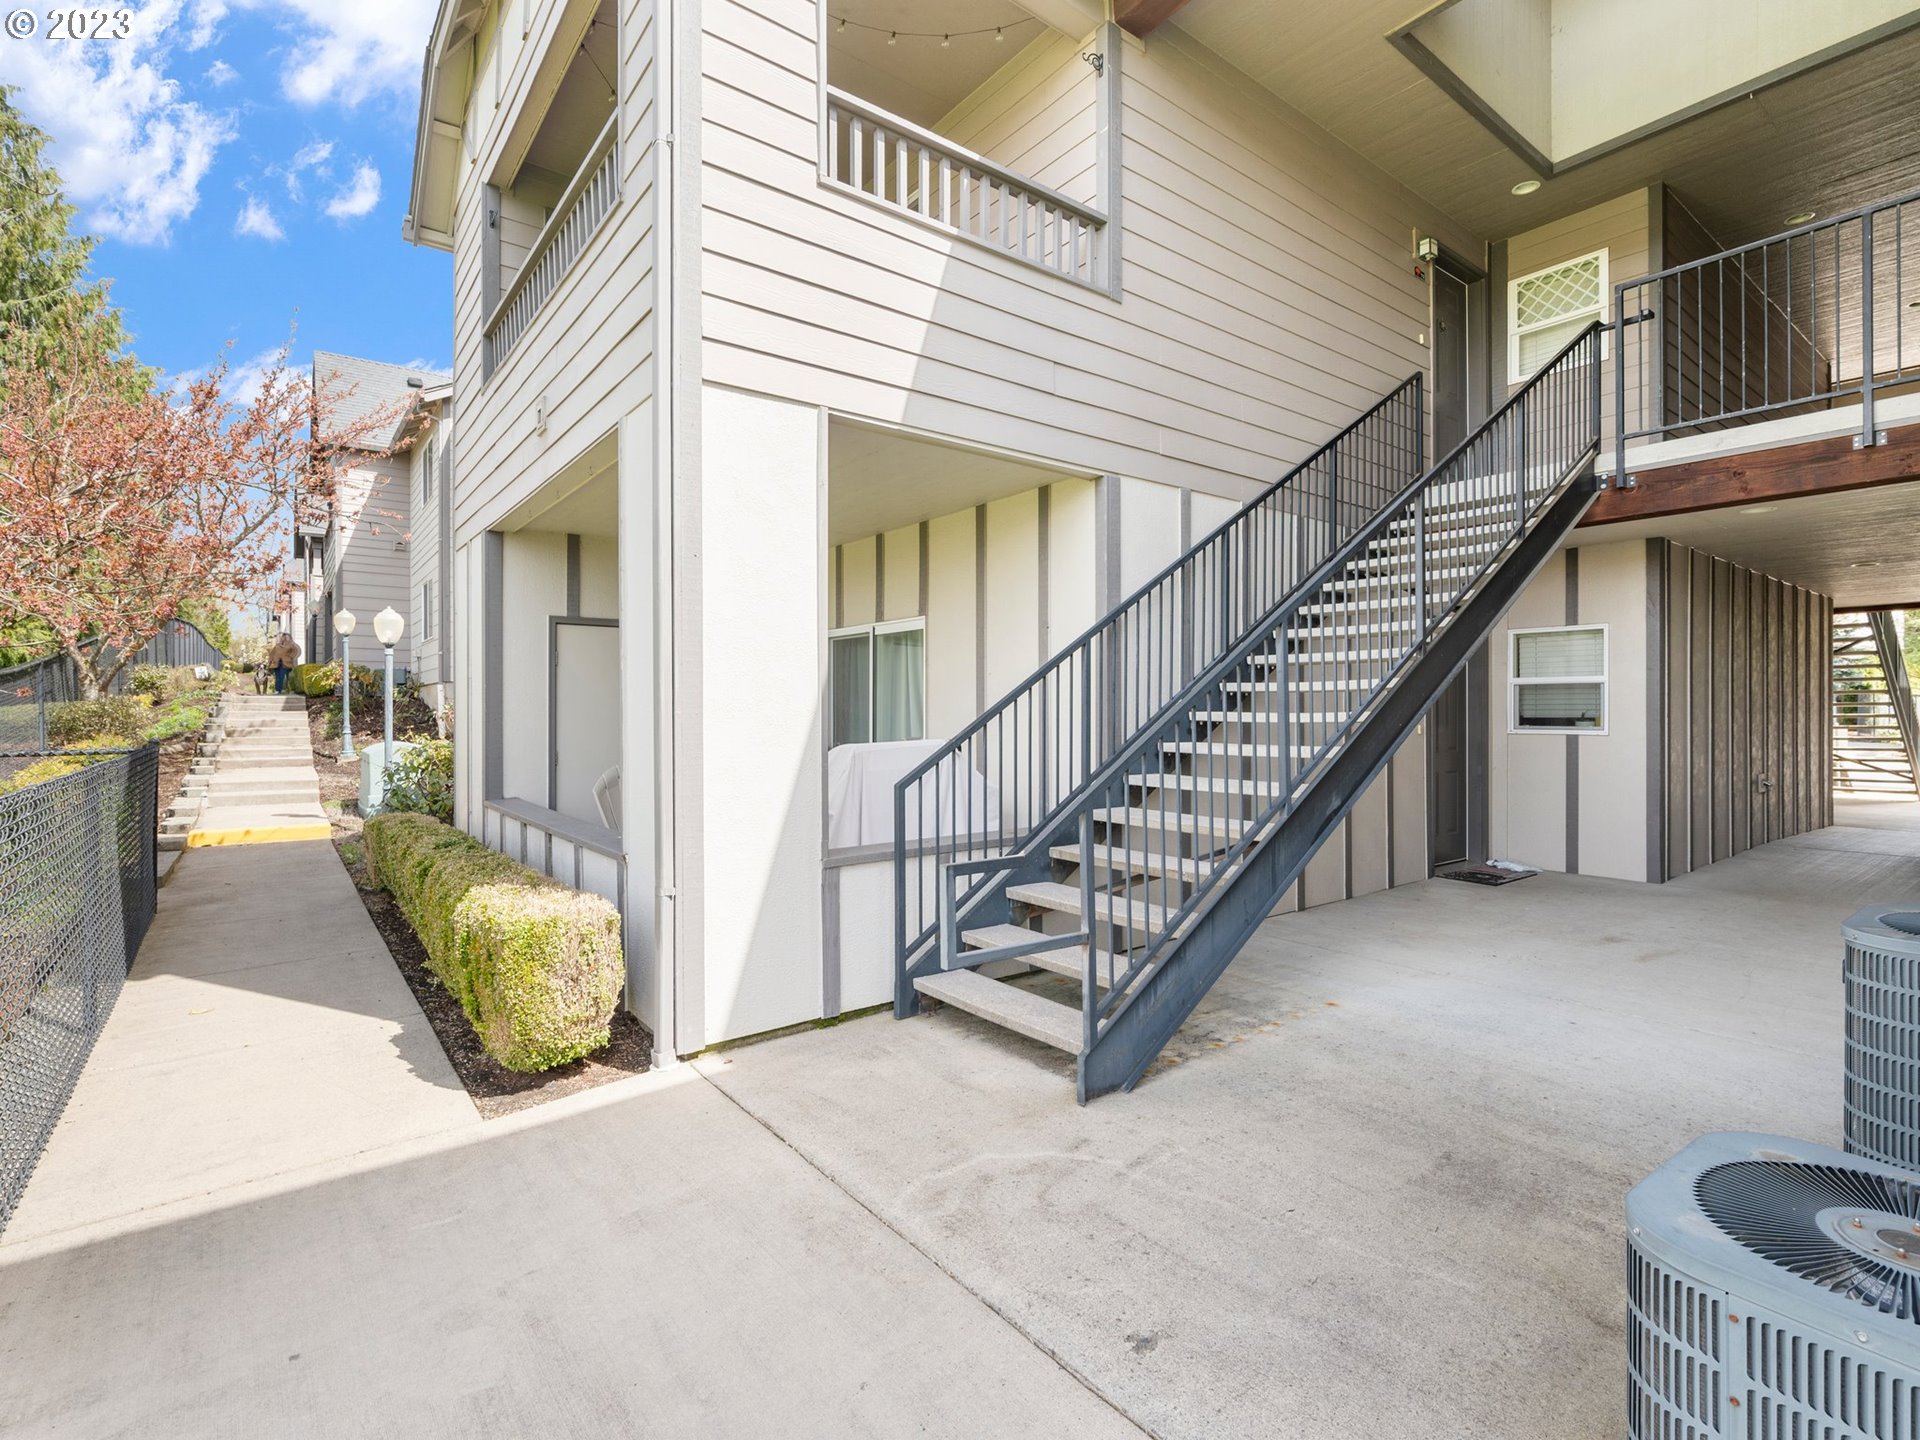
x=1493, y=872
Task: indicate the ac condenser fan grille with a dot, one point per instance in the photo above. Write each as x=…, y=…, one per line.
x=1843, y=1230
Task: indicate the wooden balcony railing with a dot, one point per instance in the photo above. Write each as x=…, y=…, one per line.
x=916, y=172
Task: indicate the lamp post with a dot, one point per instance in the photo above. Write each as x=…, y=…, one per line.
x=387, y=626
x=343, y=623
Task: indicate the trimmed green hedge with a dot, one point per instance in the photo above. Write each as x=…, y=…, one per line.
x=536, y=966
x=317, y=680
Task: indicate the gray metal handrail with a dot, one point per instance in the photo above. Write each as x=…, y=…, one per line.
x=1893, y=665
x=1811, y=315
x=1007, y=777
x=1428, y=551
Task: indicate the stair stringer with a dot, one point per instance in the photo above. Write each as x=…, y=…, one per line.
x=1160, y=1001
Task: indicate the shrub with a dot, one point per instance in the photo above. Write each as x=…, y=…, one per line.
x=163, y=682
x=52, y=768
x=122, y=716
x=316, y=680
x=536, y=966
x=420, y=780
x=175, y=720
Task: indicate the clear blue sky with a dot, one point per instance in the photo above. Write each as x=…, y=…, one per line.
x=246, y=165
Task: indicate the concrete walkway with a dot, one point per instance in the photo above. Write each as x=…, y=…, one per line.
x=1376, y=1191
x=263, y=787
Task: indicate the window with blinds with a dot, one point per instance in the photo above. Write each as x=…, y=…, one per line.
x=1558, y=680
x=1549, y=307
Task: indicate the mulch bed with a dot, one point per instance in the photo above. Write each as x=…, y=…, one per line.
x=494, y=1089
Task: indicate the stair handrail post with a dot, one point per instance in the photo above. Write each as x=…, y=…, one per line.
x=1089, y=984
x=1420, y=563
x=1517, y=462
x=1868, y=435
x=1619, y=480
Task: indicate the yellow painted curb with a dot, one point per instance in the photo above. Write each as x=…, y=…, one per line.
x=259, y=835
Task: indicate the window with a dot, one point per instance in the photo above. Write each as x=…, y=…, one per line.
x=877, y=682
x=1559, y=680
x=426, y=471
x=426, y=610
x=1549, y=307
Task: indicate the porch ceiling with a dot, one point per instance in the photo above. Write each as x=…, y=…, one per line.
x=1855, y=545
x=1827, y=139
x=583, y=499
x=880, y=480
x=916, y=76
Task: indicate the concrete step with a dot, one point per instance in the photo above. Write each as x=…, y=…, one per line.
x=1065, y=900
x=1007, y=1006
x=257, y=762
x=1214, y=829
x=1066, y=960
x=1125, y=861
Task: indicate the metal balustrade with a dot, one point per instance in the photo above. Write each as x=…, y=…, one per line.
x=1814, y=315
x=1185, y=832
x=588, y=199
x=1008, y=775
x=916, y=172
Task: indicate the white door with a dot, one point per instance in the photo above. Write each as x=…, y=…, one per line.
x=586, y=713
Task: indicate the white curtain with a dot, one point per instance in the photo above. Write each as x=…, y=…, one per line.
x=899, y=685
x=852, y=688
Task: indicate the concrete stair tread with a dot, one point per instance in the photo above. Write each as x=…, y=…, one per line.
x=1007, y=1006
x=1128, y=861
x=1214, y=827
x=1065, y=899
x=1067, y=960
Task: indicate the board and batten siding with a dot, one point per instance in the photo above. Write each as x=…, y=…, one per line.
x=1267, y=297
x=586, y=358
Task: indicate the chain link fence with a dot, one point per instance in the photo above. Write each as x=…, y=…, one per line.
x=28, y=691
x=76, y=896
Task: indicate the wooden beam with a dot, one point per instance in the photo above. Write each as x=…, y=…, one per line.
x=1139, y=17
x=1812, y=467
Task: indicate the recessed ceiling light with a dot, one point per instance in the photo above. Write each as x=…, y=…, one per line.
x=1526, y=187
x=1864, y=565
x=1802, y=218
x=1757, y=509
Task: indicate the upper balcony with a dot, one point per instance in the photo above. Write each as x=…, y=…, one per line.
x=553, y=189
x=934, y=111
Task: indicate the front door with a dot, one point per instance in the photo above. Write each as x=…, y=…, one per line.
x=1447, y=774
x=1447, y=723
x=1449, y=362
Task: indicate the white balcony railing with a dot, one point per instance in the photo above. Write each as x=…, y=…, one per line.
x=586, y=201
x=916, y=172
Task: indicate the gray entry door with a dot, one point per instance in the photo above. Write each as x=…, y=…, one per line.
x=1449, y=361
x=1447, y=774
x=1447, y=723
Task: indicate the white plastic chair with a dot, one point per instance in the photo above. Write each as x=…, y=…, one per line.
x=606, y=794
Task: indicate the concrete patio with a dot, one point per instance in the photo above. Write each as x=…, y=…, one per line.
x=1374, y=1190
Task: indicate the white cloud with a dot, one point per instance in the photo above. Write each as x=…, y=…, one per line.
x=358, y=196
x=311, y=156
x=347, y=51
x=256, y=219
x=131, y=151
x=242, y=382
x=220, y=73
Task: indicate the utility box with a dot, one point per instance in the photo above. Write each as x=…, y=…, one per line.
x=373, y=773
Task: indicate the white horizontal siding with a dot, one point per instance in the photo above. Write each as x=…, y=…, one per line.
x=1268, y=285
x=586, y=358
x=372, y=517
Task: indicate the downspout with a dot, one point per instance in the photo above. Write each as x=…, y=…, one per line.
x=666, y=109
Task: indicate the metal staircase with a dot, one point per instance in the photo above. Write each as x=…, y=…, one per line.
x=1130, y=814
x=1875, y=748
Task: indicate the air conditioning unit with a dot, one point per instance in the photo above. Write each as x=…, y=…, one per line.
x=1773, y=1290
x=1883, y=1033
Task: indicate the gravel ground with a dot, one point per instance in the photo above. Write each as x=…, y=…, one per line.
x=495, y=1090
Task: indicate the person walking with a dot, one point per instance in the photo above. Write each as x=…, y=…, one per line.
x=284, y=655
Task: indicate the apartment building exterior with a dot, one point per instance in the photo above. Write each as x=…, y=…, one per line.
x=378, y=541
x=848, y=564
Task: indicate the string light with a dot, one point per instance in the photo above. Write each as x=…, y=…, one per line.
x=945, y=37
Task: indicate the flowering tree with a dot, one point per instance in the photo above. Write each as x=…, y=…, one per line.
x=121, y=503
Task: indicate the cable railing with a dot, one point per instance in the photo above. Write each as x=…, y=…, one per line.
x=1299, y=688
x=1008, y=777
x=1797, y=321
x=919, y=173
x=588, y=199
